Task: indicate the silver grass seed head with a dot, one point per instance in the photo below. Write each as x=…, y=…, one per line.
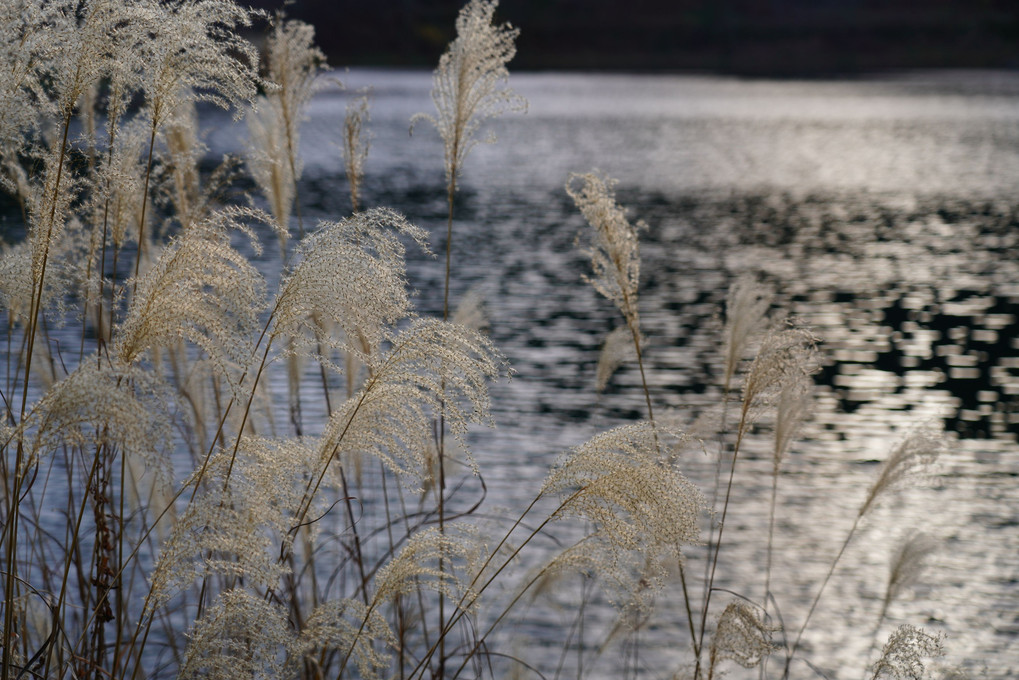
x=291, y=54
x=240, y=636
x=179, y=167
x=356, y=143
x=350, y=274
x=430, y=365
x=578, y=559
x=417, y=565
x=787, y=355
x=794, y=404
x=630, y=579
x=27, y=48
x=74, y=261
x=216, y=536
x=274, y=121
x=13, y=176
x=16, y=290
x=746, y=304
x=617, y=348
x=741, y=636
x=87, y=39
x=902, y=657
x=266, y=158
x=469, y=84
x=384, y=420
x=293, y=64
x=618, y=481
x=471, y=312
x=128, y=63
x=908, y=563
x=613, y=247
x=236, y=529
x=196, y=51
x=914, y=453
x=200, y=289
x=103, y=404
x=347, y=624
x=117, y=183
x=49, y=208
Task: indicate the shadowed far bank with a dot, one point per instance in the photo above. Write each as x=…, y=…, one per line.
x=744, y=37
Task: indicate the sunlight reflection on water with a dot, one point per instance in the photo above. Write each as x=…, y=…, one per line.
x=883, y=212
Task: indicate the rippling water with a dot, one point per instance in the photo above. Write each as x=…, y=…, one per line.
x=883, y=211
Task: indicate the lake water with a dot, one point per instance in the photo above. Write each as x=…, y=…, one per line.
x=884, y=213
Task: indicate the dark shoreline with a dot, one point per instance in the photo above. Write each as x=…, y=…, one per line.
x=756, y=38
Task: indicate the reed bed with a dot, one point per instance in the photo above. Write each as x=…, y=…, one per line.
x=164, y=517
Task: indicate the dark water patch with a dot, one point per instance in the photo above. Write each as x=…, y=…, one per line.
x=895, y=290
x=902, y=290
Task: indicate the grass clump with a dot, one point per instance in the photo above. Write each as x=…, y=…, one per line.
x=259, y=557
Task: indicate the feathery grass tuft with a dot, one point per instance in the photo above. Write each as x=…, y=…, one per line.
x=903, y=655
x=786, y=359
x=356, y=142
x=741, y=636
x=469, y=83
x=274, y=123
x=430, y=364
x=294, y=63
x=241, y=635
x=794, y=405
x=267, y=159
x=349, y=624
x=908, y=563
x=196, y=54
x=617, y=348
x=349, y=274
x=618, y=482
x=102, y=404
x=418, y=562
x=200, y=289
x=614, y=248
x=237, y=529
x=745, y=306
x=910, y=456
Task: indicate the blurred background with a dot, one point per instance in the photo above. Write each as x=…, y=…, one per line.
x=859, y=157
x=747, y=37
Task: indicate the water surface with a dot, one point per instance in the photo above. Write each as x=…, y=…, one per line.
x=883, y=213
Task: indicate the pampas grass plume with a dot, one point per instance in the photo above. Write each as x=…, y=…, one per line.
x=614, y=248
x=747, y=302
x=907, y=565
x=915, y=452
x=356, y=143
x=469, y=84
x=903, y=655
x=618, y=482
x=617, y=348
x=741, y=636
